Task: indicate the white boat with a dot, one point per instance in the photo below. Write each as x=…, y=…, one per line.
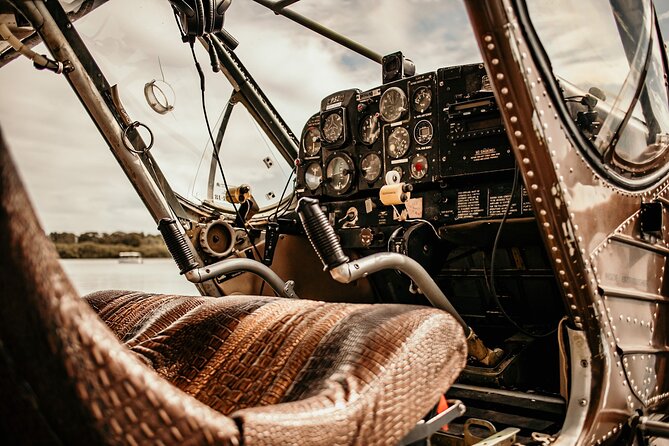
x=130, y=257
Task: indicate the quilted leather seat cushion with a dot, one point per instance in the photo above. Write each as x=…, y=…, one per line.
x=291, y=371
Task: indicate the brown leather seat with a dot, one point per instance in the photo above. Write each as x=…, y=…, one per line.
x=243, y=370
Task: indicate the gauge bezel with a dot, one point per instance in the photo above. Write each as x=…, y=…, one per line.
x=361, y=133
x=405, y=101
x=412, y=162
x=303, y=144
x=304, y=175
x=326, y=143
x=387, y=142
x=415, y=132
x=416, y=92
x=363, y=175
x=327, y=180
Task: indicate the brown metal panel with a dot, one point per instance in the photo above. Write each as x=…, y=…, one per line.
x=591, y=232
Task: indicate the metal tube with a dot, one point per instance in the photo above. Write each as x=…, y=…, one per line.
x=654, y=428
x=219, y=139
x=322, y=30
x=357, y=269
x=257, y=104
x=284, y=289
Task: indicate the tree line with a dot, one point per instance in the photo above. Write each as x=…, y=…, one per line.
x=96, y=245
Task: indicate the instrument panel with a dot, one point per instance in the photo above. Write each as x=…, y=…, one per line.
x=440, y=132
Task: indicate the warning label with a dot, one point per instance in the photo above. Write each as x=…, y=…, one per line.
x=485, y=154
x=469, y=204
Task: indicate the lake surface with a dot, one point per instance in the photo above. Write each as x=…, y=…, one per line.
x=154, y=275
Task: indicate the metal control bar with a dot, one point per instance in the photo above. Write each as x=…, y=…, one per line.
x=326, y=244
x=227, y=266
x=425, y=429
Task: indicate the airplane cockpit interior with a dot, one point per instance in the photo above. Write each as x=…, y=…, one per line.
x=468, y=254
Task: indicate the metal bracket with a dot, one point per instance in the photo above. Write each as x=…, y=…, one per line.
x=425, y=429
x=502, y=438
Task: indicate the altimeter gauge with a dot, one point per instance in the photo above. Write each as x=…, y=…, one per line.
x=311, y=141
x=313, y=176
x=333, y=127
x=371, y=167
x=339, y=173
x=370, y=129
x=398, y=142
x=393, y=104
x=422, y=98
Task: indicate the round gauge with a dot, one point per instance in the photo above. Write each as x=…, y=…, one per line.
x=339, y=173
x=311, y=141
x=423, y=132
x=370, y=129
x=313, y=176
x=398, y=142
x=393, y=104
x=422, y=99
x=418, y=167
x=333, y=127
x=371, y=167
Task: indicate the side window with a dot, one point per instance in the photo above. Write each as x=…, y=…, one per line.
x=247, y=157
x=611, y=78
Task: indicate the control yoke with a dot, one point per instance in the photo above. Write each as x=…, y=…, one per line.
x=326, y=244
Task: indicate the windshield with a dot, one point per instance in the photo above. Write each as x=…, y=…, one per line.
x=612, y=77
x=138, y=43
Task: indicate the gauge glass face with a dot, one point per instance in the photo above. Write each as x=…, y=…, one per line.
x=393, y=104
x=313, y=176
x=311, y=141
x=398, y=142
x=333, y=127
x=418, y=167
x=370, y=129
x=371, y=167
x=422, y=99
x=423, y=132
x=339, y=173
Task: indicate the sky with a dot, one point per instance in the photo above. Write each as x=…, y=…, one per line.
x=71, y=175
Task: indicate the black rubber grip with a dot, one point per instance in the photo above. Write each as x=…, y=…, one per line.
x=320, y=233
x=177, y=245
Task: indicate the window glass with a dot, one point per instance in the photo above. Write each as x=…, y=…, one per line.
x=611, y=77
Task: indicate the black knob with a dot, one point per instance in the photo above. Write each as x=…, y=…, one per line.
x=320, y=233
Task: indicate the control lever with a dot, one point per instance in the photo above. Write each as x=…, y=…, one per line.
x=326, y=244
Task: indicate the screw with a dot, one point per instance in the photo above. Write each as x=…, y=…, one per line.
x=582, y=402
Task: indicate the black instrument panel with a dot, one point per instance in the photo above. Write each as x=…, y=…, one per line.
x=441, y=132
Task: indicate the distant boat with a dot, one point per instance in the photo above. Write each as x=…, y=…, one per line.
x=130, y=257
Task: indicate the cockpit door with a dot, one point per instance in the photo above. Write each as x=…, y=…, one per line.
x=583, y=88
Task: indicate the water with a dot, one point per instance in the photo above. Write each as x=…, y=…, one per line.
x=154, y=275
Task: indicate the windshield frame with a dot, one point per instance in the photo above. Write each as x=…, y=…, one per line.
x=602, y=162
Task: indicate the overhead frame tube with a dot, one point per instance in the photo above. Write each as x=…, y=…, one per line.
x=279, y=9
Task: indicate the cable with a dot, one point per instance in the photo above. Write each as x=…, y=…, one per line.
x=216, y=151
x=285, y=188
x=491, y=283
